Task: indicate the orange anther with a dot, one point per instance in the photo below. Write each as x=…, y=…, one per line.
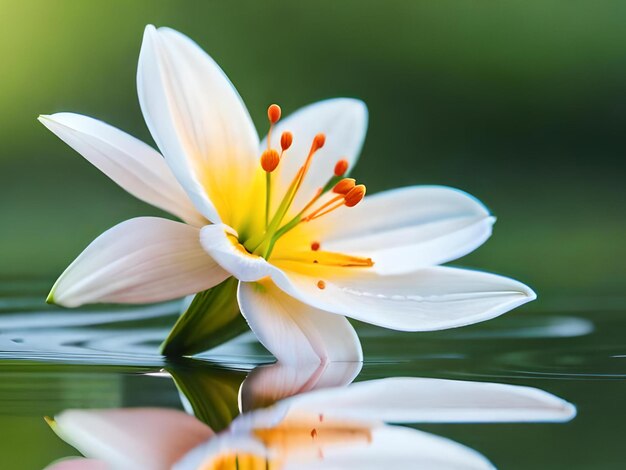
x=318, y=142
x=355, y=195
x=315, y=246
x=321, y=285
x=270, y=160
x=341, y=167
x=344, y=186
x=285, y=140
x=273, y=113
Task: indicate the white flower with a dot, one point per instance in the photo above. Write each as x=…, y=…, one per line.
x=301, y=270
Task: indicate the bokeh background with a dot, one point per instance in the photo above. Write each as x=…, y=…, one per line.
x=521, y=103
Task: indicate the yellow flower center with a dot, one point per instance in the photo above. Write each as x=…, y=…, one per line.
x=345, y=191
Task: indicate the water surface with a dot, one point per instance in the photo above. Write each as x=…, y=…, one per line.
x=53, y=359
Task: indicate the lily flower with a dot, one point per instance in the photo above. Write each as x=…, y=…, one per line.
x=329, y=425
x=273, y=227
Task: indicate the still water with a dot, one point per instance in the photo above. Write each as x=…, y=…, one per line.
x=102, y=363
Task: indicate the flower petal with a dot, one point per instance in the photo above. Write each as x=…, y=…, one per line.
x=141, y=260
x=402, y=230
x=295, y=332
x=425, y=400
x=266, y=385
x=429, y=299
x=342, y=120
x=152, y=438
x=242, y=265
x=425, y=300
x=198, y=120
x=133, y=165
x=78, y=463
x=394, y=447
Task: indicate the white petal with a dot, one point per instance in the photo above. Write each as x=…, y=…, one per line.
x=245, y=267
x=78, y=463
x=133, y=165
x=393, y=447
x=429, y=299
x=342, y=120
x=267, y=384
x=294, y=332
x=198, y=121
x=423, y=400
x=141, y=260
x=407, y=229
x=425, y=300
x=132, y=438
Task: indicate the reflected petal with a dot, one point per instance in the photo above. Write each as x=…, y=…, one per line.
x=380, y=447
x=78, y=464
x=265, y=385
x=420, y=400
x=132, y=438
x=396, y=447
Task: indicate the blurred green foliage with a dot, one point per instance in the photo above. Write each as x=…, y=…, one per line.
x=521, y=103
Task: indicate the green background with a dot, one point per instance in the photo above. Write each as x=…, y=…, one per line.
x=520, y=103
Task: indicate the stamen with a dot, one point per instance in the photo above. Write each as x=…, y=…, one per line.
x=315, y=246
x=344, y=186
x=265, y=245
x=355, y=195
x=318, y=142
x=341, y=167
x=285, y=140
x=317, y=214
x=350, y=199
x=334, y=200
x=273, y=113
x=321, y=285
x=318, y=193
x=270, y=160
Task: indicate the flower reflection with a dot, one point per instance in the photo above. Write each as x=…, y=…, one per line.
x=306, y=419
